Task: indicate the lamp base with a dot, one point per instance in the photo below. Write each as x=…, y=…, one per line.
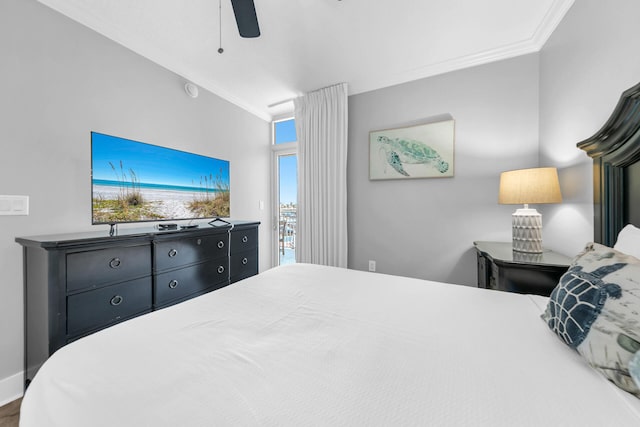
x=527, y=231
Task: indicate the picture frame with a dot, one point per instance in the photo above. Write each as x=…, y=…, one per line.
x=420, y=151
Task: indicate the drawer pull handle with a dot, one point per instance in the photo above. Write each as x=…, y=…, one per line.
x=220, y=244
x=115, y=263
x=172, y=253
x=116, y=300
x=220, y=269
x=173, y=284
x=244, y=261
x=245, y=239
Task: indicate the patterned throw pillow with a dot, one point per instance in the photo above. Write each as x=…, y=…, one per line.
x=595, y=309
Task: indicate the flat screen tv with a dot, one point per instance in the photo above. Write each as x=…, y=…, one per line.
x=133, y=181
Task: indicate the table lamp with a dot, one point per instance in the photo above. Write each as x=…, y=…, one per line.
x=528, y=186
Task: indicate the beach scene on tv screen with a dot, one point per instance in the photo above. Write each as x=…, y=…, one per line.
x=134, y=181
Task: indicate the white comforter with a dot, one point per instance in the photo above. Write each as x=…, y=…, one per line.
x=306, y=345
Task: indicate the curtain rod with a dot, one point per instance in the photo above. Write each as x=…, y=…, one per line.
x=276, y=104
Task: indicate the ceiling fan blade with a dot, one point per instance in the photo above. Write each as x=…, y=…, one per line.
x=246, y=18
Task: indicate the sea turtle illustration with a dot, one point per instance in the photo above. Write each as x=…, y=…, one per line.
x=408, y=151
x=576, y=304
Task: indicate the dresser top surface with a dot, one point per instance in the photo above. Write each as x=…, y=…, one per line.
x=503, y=252
x=102, y=235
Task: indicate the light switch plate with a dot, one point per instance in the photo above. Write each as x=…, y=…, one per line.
x=14, y=205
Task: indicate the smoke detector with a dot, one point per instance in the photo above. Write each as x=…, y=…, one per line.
x=191, y=89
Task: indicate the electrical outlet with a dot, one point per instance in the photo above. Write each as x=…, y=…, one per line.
x=372, y=265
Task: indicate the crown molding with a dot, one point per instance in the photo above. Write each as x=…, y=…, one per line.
x=551, y=20
x=130, y=42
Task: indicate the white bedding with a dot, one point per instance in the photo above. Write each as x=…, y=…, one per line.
x=305, y=345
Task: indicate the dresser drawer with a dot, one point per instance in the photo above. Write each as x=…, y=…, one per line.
x=244, y=239
x=244, y=265
x=95, y=268
x=177, y=284
x=178, y=252
x=107, y=305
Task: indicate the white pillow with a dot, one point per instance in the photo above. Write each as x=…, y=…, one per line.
x=629, y=241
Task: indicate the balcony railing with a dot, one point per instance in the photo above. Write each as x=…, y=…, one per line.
x=287, y=234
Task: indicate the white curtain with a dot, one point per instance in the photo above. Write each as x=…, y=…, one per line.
x=321, y=126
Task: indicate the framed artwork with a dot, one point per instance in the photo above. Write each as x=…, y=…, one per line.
x=422, y=151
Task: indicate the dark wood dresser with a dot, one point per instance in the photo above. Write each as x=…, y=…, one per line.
x=501, y=268
x=80, y=283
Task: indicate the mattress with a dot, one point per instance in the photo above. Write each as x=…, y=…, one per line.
x=306, y=345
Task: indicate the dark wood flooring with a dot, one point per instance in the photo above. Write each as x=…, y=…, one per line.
x=10, y=414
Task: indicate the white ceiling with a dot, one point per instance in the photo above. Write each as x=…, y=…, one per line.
x=309, y=44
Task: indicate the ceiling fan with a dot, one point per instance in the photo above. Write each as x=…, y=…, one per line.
x=246, y=18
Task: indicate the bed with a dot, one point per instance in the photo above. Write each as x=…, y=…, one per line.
x=306, y=345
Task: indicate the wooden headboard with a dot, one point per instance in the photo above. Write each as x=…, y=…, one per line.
x=615, y=150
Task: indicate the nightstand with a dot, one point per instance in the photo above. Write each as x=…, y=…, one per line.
x=499, y=267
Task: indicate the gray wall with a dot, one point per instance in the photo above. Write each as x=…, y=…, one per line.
x=60, y=81
x=426, y=227
x=588, y=62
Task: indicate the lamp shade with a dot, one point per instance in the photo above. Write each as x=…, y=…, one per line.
x=529, y=186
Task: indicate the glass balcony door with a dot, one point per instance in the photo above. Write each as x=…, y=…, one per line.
x=285, y=190
x=287, y=208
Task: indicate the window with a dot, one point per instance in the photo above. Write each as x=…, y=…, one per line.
x=285, y=183
x=284, y=131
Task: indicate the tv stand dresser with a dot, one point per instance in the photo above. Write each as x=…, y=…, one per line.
x=77, y=284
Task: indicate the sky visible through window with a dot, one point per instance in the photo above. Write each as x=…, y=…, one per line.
x=288, y=179
x=285, y=131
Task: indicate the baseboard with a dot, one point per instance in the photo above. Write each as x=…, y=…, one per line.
x=11, y=388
